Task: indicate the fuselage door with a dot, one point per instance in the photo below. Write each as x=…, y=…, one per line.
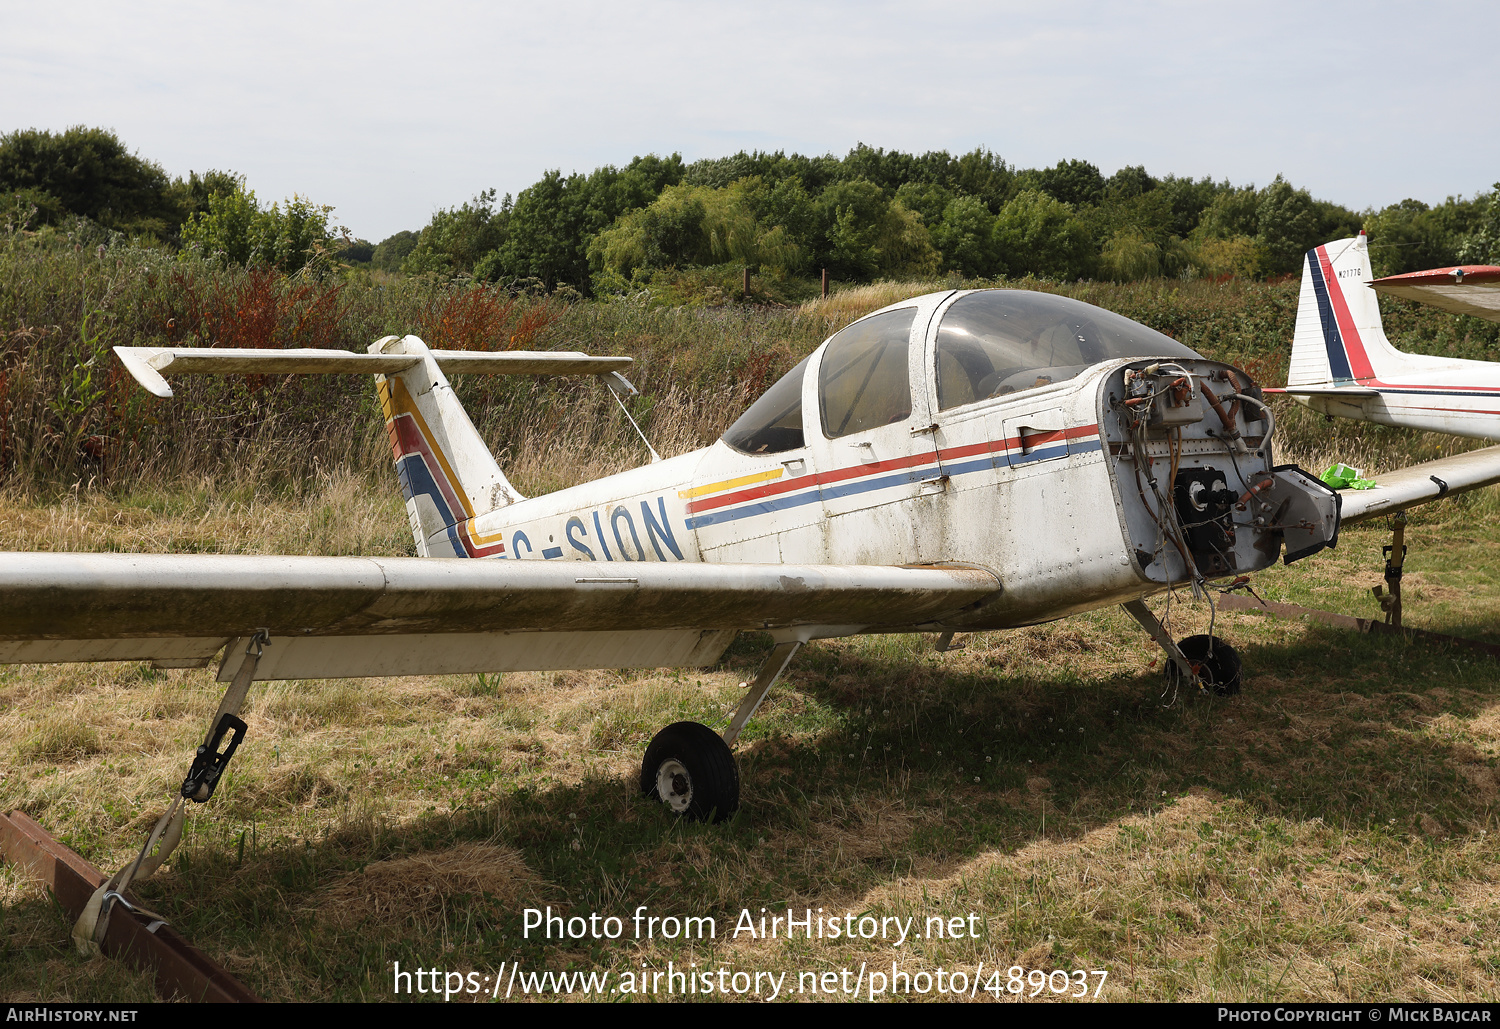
x=872, y=437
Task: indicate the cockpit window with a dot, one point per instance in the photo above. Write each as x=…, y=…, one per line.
x=774, y=422
x=1004, y=340
x=863, y=381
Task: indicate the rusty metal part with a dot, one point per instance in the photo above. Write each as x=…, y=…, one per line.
x=1224, y=417
x=181, y=972
x=1234, y=411
x=1365, y=625
x=1269, y=481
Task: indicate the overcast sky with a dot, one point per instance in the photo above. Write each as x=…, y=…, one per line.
x=389, y=111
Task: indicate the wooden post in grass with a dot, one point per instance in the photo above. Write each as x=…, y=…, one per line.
x=747, y=282
x=825, y=283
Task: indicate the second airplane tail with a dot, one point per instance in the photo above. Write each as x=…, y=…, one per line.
x=1339, y=340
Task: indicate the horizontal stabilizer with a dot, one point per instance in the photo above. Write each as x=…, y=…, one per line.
x=1315, y=391
x=1422, y=483
x=150, y=365
x=350, y=616
x=1467, y=289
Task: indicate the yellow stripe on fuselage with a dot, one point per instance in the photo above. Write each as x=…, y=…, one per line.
x=743, y=480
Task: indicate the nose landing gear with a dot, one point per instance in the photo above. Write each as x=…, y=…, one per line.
x=1216, y=662
x=1205, y=661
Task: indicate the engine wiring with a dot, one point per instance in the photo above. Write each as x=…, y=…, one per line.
x=1136, y=412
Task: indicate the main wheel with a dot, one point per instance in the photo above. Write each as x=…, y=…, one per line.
x=689, y=768
x=1218, y=663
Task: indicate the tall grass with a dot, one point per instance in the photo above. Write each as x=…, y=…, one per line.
x=71, y=417
x=1330, y=834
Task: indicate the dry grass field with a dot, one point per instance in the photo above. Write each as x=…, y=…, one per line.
x=1329, y=834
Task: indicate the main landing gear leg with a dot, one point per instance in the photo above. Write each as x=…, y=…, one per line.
x=1204, y=661
x=690, y=768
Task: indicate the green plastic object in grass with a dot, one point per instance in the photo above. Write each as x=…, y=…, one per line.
x=1341, y=476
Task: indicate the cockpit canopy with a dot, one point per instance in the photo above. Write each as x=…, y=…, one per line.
x=990, y=343
x=1001, y=341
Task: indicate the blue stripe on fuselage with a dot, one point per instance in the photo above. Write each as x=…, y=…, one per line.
x=759, y=507
x=906, y=477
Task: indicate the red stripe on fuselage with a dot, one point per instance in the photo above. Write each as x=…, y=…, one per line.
x=860, y=471
x=404, y=429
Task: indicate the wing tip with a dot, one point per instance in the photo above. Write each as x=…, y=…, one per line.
x=137, y=362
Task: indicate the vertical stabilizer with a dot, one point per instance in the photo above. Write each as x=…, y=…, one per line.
x=1339, y=339
x=448, y=475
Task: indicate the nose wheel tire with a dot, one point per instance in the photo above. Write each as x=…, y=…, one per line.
x=1217, y=662
x=690, y=768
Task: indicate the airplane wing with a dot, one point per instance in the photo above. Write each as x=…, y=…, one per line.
x=1468, y=289
x=1421, y=484
x=331, y=617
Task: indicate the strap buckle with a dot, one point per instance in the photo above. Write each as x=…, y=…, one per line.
x=209, y=763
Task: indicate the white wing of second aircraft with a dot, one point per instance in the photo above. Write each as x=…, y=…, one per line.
x=331, y=617
x=1421, y=484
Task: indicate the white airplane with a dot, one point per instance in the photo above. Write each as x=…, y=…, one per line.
x=1342, y=364
x=961, y=461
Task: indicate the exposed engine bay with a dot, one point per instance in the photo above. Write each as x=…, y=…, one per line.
x=1189, y=444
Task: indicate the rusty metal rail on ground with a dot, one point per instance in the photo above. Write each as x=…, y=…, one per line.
x=181, y=972
x=1232, y=602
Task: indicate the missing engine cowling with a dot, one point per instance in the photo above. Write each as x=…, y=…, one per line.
x=1204, y=504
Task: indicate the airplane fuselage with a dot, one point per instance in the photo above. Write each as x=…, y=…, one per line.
x=1048, y=487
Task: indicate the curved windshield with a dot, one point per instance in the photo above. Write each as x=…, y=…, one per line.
x=774, y=422
x=1000, y=341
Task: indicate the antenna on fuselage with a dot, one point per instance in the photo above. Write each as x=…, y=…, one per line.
x=618, y=384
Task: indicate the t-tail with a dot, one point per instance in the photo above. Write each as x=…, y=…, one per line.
x=448, y=475
x=1339, y=341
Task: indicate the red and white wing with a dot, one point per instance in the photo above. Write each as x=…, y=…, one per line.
x=1466, y=289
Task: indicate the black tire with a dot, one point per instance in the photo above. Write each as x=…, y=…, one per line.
x=1217, y=662
x=690, y=768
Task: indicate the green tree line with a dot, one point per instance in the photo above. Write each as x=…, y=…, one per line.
x=659, y=223
x=83, y=184
x=687, y=230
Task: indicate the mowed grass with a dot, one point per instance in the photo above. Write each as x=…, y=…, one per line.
x=1329, y=834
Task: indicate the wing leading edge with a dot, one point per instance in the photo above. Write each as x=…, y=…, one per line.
x=1421, y=484
x=332, y=617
